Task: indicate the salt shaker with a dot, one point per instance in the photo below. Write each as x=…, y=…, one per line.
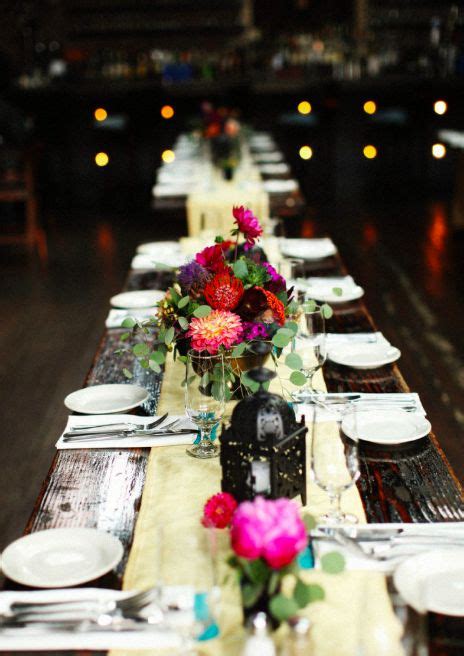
x=259, y=641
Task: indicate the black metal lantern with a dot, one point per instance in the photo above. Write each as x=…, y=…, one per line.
x=263, y=452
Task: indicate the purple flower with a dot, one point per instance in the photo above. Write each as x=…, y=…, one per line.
x=254, y=330
x=277, y=283
x=193, y=276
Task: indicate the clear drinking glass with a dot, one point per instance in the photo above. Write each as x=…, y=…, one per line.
x=310, y=344
x=204, y=399
x=335, y=461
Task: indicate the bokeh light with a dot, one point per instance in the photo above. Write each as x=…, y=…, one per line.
x=440, y=107
x=167, y=111
x=369, y=151
x=101, y=159
x=306, y=152
x=438, y=150
x=100, y=114
x=304, y=107
x=370, y=107
x=168, y=156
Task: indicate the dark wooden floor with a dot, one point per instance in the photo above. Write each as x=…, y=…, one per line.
x=52, y=315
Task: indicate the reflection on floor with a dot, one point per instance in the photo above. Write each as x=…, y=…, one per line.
x=405, y=256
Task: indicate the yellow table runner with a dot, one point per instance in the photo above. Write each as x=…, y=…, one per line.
x=356, y=610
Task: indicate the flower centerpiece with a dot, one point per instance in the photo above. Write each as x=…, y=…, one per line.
x=228, y=300
x=270, y=549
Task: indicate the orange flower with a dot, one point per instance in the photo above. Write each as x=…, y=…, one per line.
x=277, y=307
x=224, y=291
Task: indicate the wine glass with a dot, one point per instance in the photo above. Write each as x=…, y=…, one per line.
x=310, y=344
x=204, y=399
x=335, y=461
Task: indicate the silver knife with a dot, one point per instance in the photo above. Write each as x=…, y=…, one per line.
x=71, y=437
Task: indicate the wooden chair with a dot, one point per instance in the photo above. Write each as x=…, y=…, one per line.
x=17, y=185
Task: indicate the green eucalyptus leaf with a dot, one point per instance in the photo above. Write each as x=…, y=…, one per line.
x=283, y=608
x=127, y=373
x=281, y=340
x=273, y=584
x=257, y=571
x=158, y=357
x=124, y=336
x=297, y=378
x=144, y=363
x=333, y=562
x=291, y=325
x=251, y=593
x=316, y=593
x=185, y=300
x=140, y=350
x=129, y=322
x=302, y=593
x=154, y=366
x=327, y=311
x=217, y=390
x=309, y=306
x=338, y=291
x=175, y=297
x=202, y=311
x=294, y=361
x=169, y=336
x=240, y=269
x=239, y=350
x=309, y=522
x=183, y=323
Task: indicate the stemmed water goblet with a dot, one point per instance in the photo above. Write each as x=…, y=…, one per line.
x=204, y=399
x=310, y=344
x=335, y=461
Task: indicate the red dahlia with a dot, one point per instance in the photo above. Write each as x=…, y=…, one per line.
x=224, y=291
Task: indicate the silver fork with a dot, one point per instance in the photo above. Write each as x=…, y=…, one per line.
x=134, y=424
x=54, y=611
x=126, y=431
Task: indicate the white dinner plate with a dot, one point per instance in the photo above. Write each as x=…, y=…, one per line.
x=280, y=186
x=364, y=356
x=308, y=249
x=158, y=247
x=327, y=295
x=140, y=299
x=433, y=581
x=385, y=426
x=106, y=399
x=61, y=557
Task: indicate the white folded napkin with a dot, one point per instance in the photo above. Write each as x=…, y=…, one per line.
x=167, y=190
x=368, y=400
x=75, y=421
x=335, y=339
x=158, y=261
x=116, y=317
x=308, y=249
x=401, y=549
x=32, y=638
x=154, y=248
x=275, y=156
x=274, y=169
x=280, y=186
x=321, y=288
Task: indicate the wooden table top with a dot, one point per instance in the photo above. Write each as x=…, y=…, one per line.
x=413, y=483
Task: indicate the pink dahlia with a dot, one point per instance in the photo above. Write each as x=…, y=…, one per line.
x=219, y=328
x=218, y=510
x=268, y=529
x=212, y=258
x=247, y=224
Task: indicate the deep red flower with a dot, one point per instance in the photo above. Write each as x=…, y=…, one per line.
x=224, y=291
x=212, y=258
x=218, y=510
x=247, y=224
x=253, y=302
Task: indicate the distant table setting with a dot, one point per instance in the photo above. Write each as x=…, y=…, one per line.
x=244, y=449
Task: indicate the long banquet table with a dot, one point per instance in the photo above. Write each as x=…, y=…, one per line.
x=102, y=488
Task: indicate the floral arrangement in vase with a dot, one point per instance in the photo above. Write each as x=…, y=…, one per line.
x=270, y=548
x=228, y=300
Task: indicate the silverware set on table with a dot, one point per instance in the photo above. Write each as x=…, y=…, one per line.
x=329, y=400
x=134, y=612
x=385, y=544
x=160, y=428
